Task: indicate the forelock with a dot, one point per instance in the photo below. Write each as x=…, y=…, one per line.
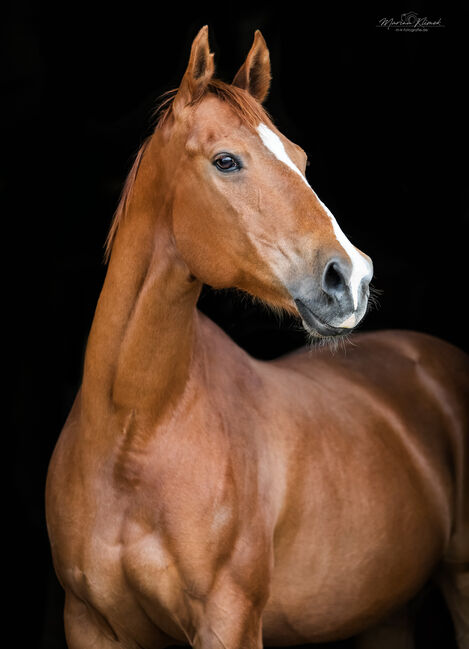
x=247, y=109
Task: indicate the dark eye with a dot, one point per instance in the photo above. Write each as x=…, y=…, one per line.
x=226, y=162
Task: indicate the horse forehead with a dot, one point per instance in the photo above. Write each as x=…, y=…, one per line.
x=213, y=115
x=214, y=120
x=212, y=129
x=273, y=139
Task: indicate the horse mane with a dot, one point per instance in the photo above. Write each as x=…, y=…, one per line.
x=246, y=108
x=123, y=200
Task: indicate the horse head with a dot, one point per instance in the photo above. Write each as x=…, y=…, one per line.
x=242, y=211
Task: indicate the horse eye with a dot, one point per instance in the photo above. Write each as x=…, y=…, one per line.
x=225, y=162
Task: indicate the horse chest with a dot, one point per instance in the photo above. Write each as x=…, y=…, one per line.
x=157, y=543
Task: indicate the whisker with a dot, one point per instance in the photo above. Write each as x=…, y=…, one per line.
x=373, y=298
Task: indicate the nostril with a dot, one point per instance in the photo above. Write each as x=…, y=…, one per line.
x=333, y=280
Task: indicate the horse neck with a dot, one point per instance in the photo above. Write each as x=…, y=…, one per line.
x=141, y=341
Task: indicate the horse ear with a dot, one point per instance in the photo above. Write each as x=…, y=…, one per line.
x=254, y=75
x=198, y=73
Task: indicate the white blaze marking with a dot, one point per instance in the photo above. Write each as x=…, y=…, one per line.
x=275, y=144
x=360, y=266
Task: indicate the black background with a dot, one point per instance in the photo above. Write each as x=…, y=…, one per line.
x=380, y=114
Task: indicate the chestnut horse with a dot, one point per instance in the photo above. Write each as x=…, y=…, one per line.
x=200, y=496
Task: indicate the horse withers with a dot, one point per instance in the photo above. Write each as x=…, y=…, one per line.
x=199, y=496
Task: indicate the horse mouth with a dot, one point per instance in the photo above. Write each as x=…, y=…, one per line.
x=315, y=326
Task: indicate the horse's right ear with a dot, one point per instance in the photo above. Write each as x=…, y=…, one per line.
x=198, y=73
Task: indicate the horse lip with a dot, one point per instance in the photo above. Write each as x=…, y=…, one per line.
x=313, y=322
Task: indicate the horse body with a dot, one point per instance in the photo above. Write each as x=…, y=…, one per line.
x=197, y=495
x=374, y=498
x=329, y=516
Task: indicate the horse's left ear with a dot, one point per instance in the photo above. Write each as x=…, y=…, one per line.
x=254, y=74
x=199, y=72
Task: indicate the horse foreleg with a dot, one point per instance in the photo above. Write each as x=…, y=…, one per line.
x=230, y=620
x=395, y=632
x=84, y=629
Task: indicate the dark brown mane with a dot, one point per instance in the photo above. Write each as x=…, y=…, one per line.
x=247, y=109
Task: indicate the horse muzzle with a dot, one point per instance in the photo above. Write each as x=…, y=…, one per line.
x=336, y=303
